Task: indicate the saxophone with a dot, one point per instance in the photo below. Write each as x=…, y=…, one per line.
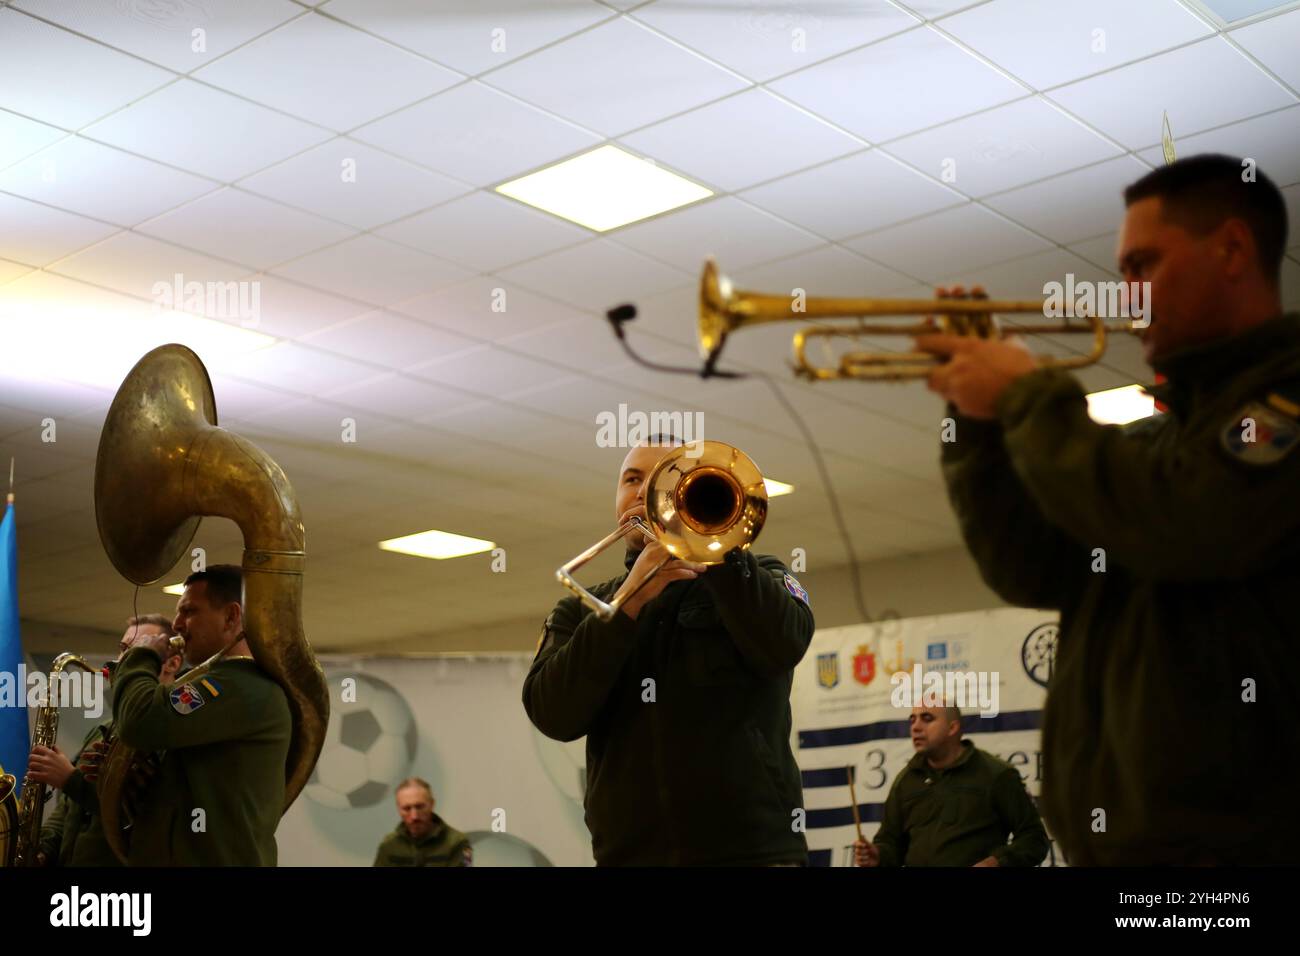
x=23, y=850
x=163, y=464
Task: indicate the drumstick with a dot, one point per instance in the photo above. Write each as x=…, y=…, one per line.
x=853, y=796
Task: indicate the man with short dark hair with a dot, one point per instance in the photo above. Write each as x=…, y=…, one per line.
x=1171, y=547
x=684, y=698
x=422, y=838
x=73, y=835
x=220, y=788
x=954, y=805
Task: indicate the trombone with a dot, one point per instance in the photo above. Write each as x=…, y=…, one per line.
x=724, y=309
x=704, y=500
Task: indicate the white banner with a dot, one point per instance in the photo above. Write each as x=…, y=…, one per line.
x=845, y=721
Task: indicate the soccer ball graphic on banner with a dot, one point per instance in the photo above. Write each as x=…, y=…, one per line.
x=369, y=745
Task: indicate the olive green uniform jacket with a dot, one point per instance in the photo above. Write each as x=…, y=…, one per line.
x=226, y=738
x=442, y=846
x=73, y=835
x=960, y=815
x=1170, y=729
x=686, y=711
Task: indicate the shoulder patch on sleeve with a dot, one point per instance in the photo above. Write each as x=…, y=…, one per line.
x=186, y=699
x=796, y=589
x=1261, y=433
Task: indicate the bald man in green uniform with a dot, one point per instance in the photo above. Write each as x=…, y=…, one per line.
x=219, y=792
x=1170, y=547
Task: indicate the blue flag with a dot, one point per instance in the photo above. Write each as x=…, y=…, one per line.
x=14, y=739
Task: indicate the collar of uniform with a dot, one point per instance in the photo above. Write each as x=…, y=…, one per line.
x=1192, y=369
x=439, y=826
x=920, y=764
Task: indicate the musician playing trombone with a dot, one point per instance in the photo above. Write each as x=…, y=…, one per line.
x=684, y=698
x=1171, y=547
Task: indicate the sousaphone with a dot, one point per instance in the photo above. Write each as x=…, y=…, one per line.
x=163, y=464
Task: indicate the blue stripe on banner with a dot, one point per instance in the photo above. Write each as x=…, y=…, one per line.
x=898, y=729
x=827, y=777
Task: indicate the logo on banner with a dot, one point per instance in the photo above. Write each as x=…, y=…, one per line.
x=828, y=669
x=1038, y=653
x=864, y=665
x=899, y=663
x=936, y=652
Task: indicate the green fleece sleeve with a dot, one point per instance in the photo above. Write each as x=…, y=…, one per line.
x=1020, y=555
x=1184, y=511
x=52, y=832
x=769, y=625
x=1028, y=844
x=146, y=719
x=891, y=838
x=577, y=664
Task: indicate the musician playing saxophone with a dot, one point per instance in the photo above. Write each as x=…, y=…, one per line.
x=219, y=791
x=74, y=834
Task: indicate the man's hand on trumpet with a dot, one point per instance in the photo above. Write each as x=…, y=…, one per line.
x=652, y=554
x=977, y=371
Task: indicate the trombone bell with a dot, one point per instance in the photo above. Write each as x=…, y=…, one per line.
x=703, y=501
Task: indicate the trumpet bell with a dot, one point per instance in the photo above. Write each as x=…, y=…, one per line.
x=704, y=500
x=145, y=460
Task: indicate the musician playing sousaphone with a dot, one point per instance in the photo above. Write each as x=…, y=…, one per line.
x=224, y=737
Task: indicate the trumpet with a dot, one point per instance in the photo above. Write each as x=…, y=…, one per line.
x=704, y=500
x=724, y=310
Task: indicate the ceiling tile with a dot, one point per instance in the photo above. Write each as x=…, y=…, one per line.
x=766, y=38
x=12, y=270
x=947, y=243
x=615, y=77
x=580, y=344
x=98, y=181
x=353, y=183
x=1003, y=147
x=828, y=271
x=327, y=73
x=596, y=275
x=1075, y=205
x=244, y=228
x=853, y=195
x=401, y=396
x=1272, y=140
x=132, y=264
x=1202, y=85
x=1274, y=43
x=933, y=9
x=373, y=270
x=485, y=232
x=289, y=310
x=305, y=370
x=487, y=370
x=53, y=76
x=237, y=399
x=486, y=308
x=21, y=137
x=164, y=32
x=470, y=35
x=38, y=235
x=1049, y=43
x=390, y=340
x=732, y=231
x=942, y=82
x=1025, y=278
x=742, y=140
x=1100, y=251
x=476, y=134
x=175, y=126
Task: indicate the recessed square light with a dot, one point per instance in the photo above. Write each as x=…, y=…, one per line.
x=776, y=488
x=438, y=545
x=1119, y=406
x=603, y=189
